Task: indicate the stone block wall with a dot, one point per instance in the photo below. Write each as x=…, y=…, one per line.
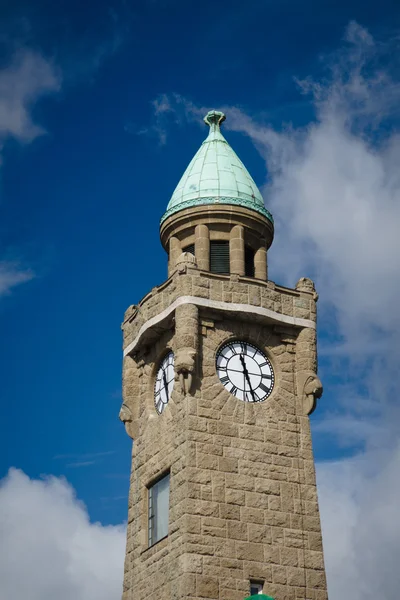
x=243, y=498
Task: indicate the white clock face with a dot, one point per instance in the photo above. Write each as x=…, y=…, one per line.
x=164, y=383
x=245, y=371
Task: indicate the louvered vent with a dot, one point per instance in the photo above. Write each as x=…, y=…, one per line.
x=219, y=257
x=249, y=261
x=190, y=249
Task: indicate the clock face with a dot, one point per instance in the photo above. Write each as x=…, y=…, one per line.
x=245, y=371
x=164, y=383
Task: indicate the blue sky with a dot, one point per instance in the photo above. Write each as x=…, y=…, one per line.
x=99, y=116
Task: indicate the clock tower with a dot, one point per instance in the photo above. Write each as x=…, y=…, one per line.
x=219, y=379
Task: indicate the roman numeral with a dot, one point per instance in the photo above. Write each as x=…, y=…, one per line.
x=233, y=390
x=264, y=388
x=263, y=364
x=266, y=376
x=232, y=348
x=224, y=379
x=243, y=347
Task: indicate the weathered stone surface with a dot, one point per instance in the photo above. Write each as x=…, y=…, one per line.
x=243, y=502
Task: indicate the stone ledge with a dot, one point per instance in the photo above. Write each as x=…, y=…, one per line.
x=232, y=294
x=230, y=307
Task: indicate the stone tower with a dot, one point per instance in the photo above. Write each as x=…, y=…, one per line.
x=219, y=378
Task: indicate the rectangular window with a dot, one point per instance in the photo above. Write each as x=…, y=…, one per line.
x=219, y=257
x=256, y=587
x=158, y=510
x=249, y=261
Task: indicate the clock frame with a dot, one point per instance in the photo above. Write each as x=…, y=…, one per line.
x=164, y=382
x=245, y=371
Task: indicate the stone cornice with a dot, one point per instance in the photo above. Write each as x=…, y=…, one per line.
x=226, y=307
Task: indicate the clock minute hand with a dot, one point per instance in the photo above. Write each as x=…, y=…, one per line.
x=246, y=374
x=165, y=384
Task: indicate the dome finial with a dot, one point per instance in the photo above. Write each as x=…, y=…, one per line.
x=214, y=118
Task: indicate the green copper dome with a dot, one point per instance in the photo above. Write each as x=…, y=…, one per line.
x=216, y=175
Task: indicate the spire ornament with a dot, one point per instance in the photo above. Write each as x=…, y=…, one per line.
x=214, y=118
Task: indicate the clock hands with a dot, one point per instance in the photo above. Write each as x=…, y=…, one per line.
x=165, y=383
x=246, y=374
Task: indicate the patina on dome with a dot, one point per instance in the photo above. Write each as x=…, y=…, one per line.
x=216, y=175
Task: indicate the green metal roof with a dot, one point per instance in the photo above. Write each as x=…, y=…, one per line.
x=216, y=175
x=259, y=597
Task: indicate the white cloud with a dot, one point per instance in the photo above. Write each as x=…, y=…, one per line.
x=359, y=501
x=11, y=275
x=28, y=77
x=50, y=549
x=334, y=189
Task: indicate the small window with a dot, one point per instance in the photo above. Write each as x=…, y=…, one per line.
x=190, y=249
x=256, y=587
x=219, y=258
x=249, y=261
x=158, y=510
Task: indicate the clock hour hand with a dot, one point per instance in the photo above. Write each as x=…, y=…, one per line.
x=246, y=374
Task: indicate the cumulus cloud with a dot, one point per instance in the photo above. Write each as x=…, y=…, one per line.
x=28, y=77
x=359, y=500
x=333, y=187
x=11, y=275
x=23, y=82
x=50, y=549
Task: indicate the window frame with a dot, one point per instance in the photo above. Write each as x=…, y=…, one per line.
x=256, y=584
x=219, y=254
x=151, y=512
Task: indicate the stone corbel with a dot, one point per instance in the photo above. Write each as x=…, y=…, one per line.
x=184, y=368
x=309, y=390
x=186, y=344
x=129, y=411
x=131, y=426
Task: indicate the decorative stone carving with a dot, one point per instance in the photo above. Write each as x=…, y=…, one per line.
x=310, y=390
x=184, y=368
x=130, y=312
x=131, y=426
x=305, y=284
x=186, y=344
x=186, y=261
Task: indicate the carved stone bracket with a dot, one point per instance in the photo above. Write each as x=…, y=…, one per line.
x=309, y=390
x=184, y=368
x=186, y=344
x=131, y=426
